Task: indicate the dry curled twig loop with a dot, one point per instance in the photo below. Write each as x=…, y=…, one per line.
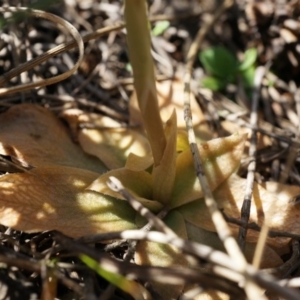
x=29, y=65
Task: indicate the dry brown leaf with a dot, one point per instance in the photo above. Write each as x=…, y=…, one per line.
x=276, y=208
x=33, y=136
x=54, y=197
x=111, y=143
x=263, y=140
x=170, y=95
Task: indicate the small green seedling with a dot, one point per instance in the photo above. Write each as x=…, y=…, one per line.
x=160, y=27
x=224, y=68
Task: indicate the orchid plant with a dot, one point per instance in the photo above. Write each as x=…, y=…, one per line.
x=66, y=189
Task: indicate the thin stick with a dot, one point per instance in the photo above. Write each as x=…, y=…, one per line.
x=245, y=211
x=259, y=249
x=199, y=250
x=221, y=226
x=60, y=49
x=116, y=185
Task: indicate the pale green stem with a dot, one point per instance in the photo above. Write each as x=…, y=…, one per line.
x=139, y=44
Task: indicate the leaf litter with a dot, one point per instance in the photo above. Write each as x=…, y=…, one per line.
x=61, y=172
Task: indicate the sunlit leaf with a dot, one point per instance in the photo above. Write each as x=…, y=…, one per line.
x=131, y=287
x=139, y=45
x=220, y=157
x=32, y=135
x=213, y=83
x=170, y=95
x=275, y=208
x=138, y=163
x=250, y=57
x=160, y=27
x=182, y=141
x=54, y=197
x=113, y=146
x=109, y=141
x=139, y=183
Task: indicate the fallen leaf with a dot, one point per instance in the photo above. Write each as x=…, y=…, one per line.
x=170, y=95
x=54, y=198
x=276, y=208
x=33, y=136
x=109, y=141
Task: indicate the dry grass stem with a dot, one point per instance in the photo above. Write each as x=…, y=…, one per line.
x=56, y=20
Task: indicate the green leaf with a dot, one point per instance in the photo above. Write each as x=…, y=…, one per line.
x=160, y=27
x=218, y=61
x=248, y=77
x=213, y=83
x=128, y=67
x=250, y=57
x=128, y=286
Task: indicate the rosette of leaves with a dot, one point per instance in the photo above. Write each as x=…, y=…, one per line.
x=224, y=68
x=67, y=190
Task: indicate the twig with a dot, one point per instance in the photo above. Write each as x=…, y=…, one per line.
x=245, y=211
x=196, y=249
x=59, y=49
x=219, y=222
x=221, y=226
x=116, y=185
x=289, y=266
x=254, y=226
x=36, y=266
x=167, y=275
